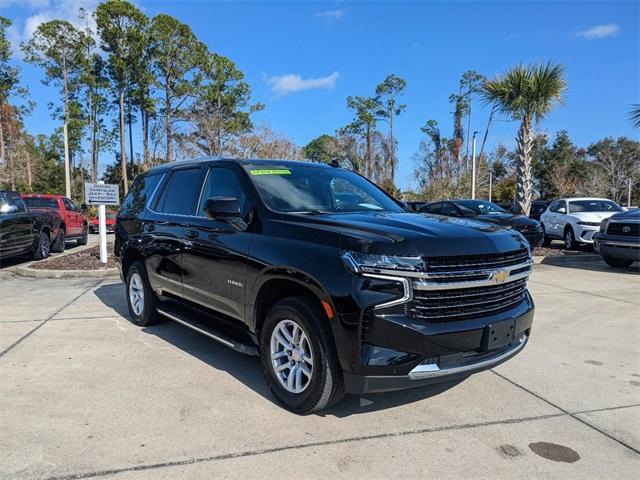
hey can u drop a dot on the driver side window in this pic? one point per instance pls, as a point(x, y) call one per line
point(222, 182)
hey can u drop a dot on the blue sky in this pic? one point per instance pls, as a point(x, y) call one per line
point(303, 59)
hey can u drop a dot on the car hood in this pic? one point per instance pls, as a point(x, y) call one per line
point(592, 216)
point(409, 234)
point(628, 215)
point(507, 219)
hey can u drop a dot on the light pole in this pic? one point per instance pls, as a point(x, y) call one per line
point(473, 167)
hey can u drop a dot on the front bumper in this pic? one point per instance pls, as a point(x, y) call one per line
point(401, 352)
point(617, 247)
point(585, 233)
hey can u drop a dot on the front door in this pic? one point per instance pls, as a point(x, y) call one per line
point(214, 262)
point(74, 229)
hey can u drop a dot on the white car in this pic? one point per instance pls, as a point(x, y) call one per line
point(576, 220)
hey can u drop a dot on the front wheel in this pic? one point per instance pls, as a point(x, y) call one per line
point(569, 239)
point(299, 358)
point(140, 297)
point(546, 240)
point(617, 262)
point(43, 247)
point(85, 236)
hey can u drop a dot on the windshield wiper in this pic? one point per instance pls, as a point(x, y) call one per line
point(312, 212)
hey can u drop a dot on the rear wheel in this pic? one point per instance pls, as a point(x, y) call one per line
point(617, 262)
point(43, 248)
point(141, 300)
point(85, 236)
point(299, 358)
point(60, 243)
point(569, 239)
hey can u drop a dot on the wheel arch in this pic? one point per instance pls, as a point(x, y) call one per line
point(130, 255)
point(278, 285)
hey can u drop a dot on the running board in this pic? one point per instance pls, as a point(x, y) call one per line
point(210, 332)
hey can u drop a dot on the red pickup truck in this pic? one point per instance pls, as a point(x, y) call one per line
point(67, 221)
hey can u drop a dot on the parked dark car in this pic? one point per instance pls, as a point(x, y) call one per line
point(537, 207)
point(22, 232)
point(488, 212)
point(618, 240)
point(414, 206)
point(323, 275)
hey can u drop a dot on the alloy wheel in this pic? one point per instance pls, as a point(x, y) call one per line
point(45, 245)
point(136, 293)
point(291, 356)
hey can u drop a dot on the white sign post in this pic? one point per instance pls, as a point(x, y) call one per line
point(102, 194)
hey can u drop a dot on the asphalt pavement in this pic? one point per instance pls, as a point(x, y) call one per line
point(84, 393)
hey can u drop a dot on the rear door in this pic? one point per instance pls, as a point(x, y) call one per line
point(215, 254)
point(73, 230)
point(176, 206)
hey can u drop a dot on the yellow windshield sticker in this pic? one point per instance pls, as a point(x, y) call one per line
point(277, 171)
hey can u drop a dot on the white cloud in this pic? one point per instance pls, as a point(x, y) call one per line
point(286, 84)
point(600, 31)
point(42, 11)
point(331, 14)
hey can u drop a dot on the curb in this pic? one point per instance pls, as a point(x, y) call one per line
point(41, 273)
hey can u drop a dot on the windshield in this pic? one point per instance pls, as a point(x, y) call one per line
point(479, 208)
point(307, 189)
point(111, 216)
point(578, 206)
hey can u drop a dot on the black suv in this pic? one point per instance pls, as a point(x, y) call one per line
point(323, 275)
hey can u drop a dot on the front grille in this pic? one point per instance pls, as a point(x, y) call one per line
point(476, 262)
point(616, 228)
point(465, 303)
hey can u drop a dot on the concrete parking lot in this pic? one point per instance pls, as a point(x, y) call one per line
point(84, 393)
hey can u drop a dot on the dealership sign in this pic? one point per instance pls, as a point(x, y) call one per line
point(101, 194)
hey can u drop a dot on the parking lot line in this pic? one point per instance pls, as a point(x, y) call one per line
point(43, 322)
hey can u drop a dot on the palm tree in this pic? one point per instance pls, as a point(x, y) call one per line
point(634, 115)
point(526, 93)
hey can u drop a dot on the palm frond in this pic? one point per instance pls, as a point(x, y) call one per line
point(634, 115)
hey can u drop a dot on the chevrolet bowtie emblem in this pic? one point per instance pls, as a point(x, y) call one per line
point(499, 276)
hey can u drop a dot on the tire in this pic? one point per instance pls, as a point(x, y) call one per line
point(43, 248)
point(569, 239)
point(324, 386)
point(85, 236)
point(617, 262)
point(137, 283)
point(546, 240)
point(61, 241)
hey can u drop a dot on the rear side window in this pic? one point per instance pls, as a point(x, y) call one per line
point(11, 203)
point(140, 193)
point(180, 195)
point(450, 210)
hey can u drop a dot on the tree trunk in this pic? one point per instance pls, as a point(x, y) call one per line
point(144, 118)
point(486, 131)
point(167, 125)
point(457, 132)
point(29, 173)
point(91, 142)
point(132, 159)
point(466, 149)
point(392, 144)
point(2, 153)
point(369, 166)
point(123, 154)
point(524, 146)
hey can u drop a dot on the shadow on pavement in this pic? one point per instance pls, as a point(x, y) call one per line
point(26, 258)
point(590, 264)
point(248, 370)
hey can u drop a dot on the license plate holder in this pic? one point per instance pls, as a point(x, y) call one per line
point(498, 335)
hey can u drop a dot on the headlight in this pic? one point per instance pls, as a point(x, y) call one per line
point(589, 224)
point(603, 225)
point(364, 262)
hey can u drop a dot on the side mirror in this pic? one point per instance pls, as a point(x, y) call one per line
point(222, 208)
point(84, 208)
point(562, 210)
